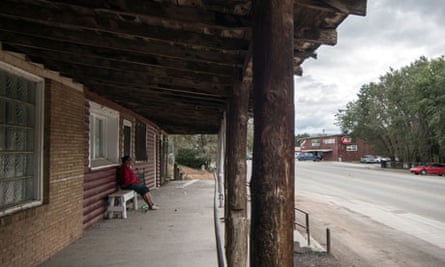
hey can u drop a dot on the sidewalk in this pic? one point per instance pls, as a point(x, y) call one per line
point(180, 233)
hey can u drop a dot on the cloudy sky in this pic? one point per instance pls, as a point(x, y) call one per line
point(394, 33)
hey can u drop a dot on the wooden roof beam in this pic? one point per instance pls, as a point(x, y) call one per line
point(75, 41)
point(317, 36)
point(119, 57)
point(60, 59)
point(138, 79)
point(164, 90)
point(96, 23)
point(354, 7)
point(173, 11)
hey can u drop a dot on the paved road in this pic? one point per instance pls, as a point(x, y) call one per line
point(378, 217)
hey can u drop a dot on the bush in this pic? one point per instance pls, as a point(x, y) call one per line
point(190, 157)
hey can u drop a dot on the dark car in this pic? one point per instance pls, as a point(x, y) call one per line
point(433, 168)
point(308, 156)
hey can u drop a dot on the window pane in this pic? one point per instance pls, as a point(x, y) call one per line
point(10, 113)
point(2, 110)
point(11, 138)
point(19, 165)
point(29, 165)
point(127, 140)
point(21, 90)
point(2, 83)
point(18, 135)
point(141, 147)
point(7, 193)
point(98, 138)
point(2, 138)
point(29, 188)
point(10, 85)
point(30, 116)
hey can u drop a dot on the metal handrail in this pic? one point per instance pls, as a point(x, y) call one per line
point(219, 245)
point(304, 226)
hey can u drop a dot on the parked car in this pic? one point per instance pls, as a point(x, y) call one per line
point(308, 156)
point(382, 159)
point(433, 168)
point(369, 159)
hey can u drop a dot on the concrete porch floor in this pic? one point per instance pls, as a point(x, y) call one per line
point(180, 233)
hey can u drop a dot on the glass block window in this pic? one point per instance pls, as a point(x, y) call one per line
point(21, 123)
point(104, 136)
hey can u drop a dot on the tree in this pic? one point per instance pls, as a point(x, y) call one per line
point(196, 148)
point(402, 115)
point(298, 137)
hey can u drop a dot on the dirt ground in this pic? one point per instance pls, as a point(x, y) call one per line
point(315, 259)
point(302, 258)
point(189, 173)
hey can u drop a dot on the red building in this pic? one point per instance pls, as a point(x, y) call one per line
point(335, 147)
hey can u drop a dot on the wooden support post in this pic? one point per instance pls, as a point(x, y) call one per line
point(236, 199)
point(273, 158)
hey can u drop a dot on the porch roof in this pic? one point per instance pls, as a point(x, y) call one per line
point(174, 62)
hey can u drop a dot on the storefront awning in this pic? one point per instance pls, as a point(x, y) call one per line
point(317, 150)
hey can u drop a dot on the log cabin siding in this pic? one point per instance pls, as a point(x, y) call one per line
point(97, 186)
point(99, 183)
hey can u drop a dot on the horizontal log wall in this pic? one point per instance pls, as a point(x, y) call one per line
point(98, 184)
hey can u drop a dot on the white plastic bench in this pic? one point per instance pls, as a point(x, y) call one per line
point(117, 202)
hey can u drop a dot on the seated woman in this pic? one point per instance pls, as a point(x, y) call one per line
point(129, 180)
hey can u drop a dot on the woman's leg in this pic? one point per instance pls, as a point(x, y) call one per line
point(149, 201)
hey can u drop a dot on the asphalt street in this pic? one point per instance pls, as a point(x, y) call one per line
point(381, 216)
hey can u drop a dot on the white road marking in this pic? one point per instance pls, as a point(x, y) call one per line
point(187, 184)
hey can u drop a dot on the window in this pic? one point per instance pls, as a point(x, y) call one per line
point(351, 148)
point(104, 134)
point(141, 137)
point(21, 142)
point(127, 138)
point(315, 142)
point(329, 141)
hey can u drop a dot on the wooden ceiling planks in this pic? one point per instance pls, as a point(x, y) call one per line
point(173, 61)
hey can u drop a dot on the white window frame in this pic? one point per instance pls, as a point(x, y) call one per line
point(315, 142)
point(329, 141)
point(351, 148)
point(38, 139)
point(110, 139)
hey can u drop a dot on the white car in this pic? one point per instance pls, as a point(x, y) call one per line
point(368, 159)
point(382, 159)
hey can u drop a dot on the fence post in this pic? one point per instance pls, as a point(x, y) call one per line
point(328, 241)
point(308, 231)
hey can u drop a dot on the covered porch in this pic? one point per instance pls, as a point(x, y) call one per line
point(190, 67)
point(181, 233)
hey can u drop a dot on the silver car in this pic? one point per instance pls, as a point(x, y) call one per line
point(369, 159)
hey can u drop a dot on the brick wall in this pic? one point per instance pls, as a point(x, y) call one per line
point(31, 236)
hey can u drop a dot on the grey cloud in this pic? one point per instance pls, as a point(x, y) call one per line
point(393, 34)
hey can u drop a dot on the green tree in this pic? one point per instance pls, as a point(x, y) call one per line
point(298, 137)
point(199, 149)
point(402, 115)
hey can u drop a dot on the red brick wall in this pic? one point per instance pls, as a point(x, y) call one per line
point(29, 237)
point(338, 148)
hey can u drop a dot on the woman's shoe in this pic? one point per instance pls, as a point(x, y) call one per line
point(154, 207)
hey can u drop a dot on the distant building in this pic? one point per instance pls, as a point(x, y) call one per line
point(335, 147)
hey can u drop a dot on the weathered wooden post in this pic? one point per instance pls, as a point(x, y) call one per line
point(273, 159)
point(236, 199)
